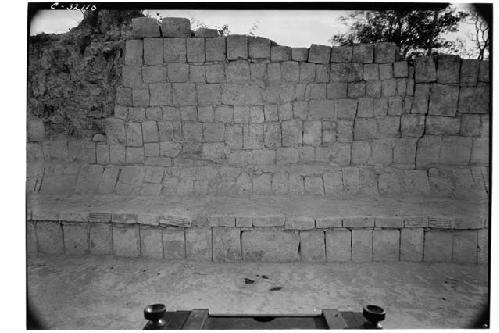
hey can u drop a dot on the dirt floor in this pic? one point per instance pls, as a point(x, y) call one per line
point(94, 292)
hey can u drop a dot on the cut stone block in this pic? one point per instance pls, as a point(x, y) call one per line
point(362, 245)
point(153, 51)
point(237, 47)
point(312, 246)
point(173, 243)
point(133, 52)
point(50, 237)
point(101, 238)
point(151, 242)
point(300, 53)
point(319, 54)
point(145, 27)
point(199, 244)
point(31, 242)
point(448, 69)
point(386, 245)
point(389, 222)
point(206, 32)
point(443, 100)
point(76, 238)
point(226, 244)
point(215, 49)
point(469, 72)
point(362, 53)
point(281, 53)
point(412, 244)
point(126, 240)
point(36, 130)
point(270, 246)
point(483, 246)
point(438, 246)
point(299, 222)
point(341, 54)
point(385, 52)
point(175, 27)
point(425, 70)
point(465, 247)
point(195, 49)
point(338, 245)
point(174, 50)
point(259, 48)
point(328, 222)
point(358, 222)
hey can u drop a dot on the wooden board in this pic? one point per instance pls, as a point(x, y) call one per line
point(196, 320)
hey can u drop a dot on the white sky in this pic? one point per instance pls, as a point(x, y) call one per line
point(295, 28)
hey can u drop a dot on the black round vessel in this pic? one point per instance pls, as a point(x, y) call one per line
point(155, 314)
point(374, 314)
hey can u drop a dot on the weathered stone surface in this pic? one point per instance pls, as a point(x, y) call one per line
point(442, 125)
point(312, 246)
point(469, 72)
point(362, 245)
point(151, 242)
point(259, 48)
point(133, 52)
point(385, 52)
point(455, 150)
point(215, 49)
point(443, 100)
point(465, 246)
point(474, 100)
point(425, 70)
point(321, 109)
point(36, 130)
point(126, 240)
point(226, 244)
point(199, 244)
point(428, 151)
point(153, 51)
point(448, 69)
point(412, 125)
point(338, 245)
point(281, 53)
point(401, 69)
point(145, 27)
point(346, 72)
point(237, 47)
point(101, 238)
point(362, 53)
point(175, 27)
point(412, 244)
point(438, 246)
point(174, 50)
point(195, 49)
point(319, 54)
point(300, 53)
point(273, 246)
point(291, 133)
point(386, 245)
point(341, 54)
point(299, 222)
point(206, 33)
point(483, 246)
point(76, 238)
point(173, 243)
point(50, 237)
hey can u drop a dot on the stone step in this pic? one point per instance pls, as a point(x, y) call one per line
point(261, 228)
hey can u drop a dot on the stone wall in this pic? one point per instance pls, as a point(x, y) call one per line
point(196, 114)
point(241, 114)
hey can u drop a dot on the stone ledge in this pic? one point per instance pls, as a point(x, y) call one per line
point(260, 228)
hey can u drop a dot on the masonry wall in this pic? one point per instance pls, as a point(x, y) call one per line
point(198, 114)
point(243, 115)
